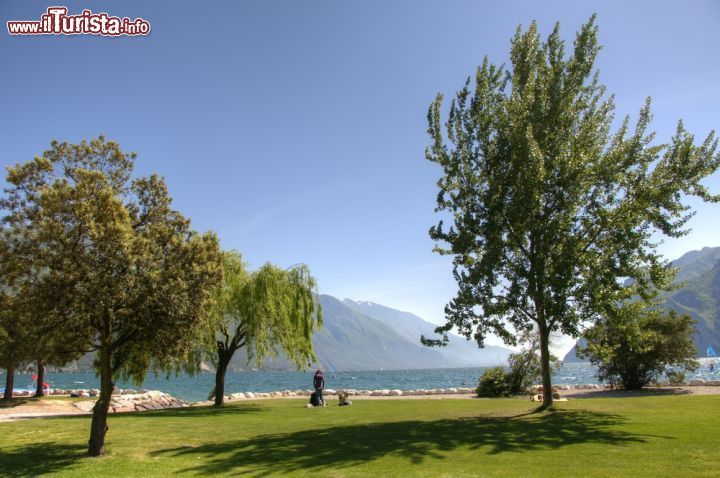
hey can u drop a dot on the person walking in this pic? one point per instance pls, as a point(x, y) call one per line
point(319, 384)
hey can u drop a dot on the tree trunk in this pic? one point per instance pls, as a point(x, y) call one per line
point(98, 428)
point(40, 389)
point(223, 361)
point(9, 382)
point(545, 364)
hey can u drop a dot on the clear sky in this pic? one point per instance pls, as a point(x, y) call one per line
point(297, 130)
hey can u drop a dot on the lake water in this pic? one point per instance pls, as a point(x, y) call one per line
point(198, 387)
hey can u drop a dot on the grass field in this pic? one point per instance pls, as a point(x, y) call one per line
point(645, 436)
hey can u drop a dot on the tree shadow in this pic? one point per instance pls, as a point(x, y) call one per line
point(346, 446)
point(15, 402)
point(194, 412)
point(621, 393)
point(40, 458)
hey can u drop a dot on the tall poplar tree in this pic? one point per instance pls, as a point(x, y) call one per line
point(264, 311)
point(113, 260)
point(548, 209)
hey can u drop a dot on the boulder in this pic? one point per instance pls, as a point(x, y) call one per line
point(85, 406)
point(395, 393)
point(238, 395)
point(698, 382)
point(249, 395)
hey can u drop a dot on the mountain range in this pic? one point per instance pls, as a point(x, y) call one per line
point(368, 336)
point(698, 275)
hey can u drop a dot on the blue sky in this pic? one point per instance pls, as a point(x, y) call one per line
point(296, 130)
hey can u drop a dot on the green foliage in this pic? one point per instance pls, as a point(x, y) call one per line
point(548, 209)
point(108, 259)
point(636, 344)
point(265, 311)
point(493, 383)
point(523, 370)
point(675, 377)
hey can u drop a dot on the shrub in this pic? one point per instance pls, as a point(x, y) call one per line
point(675, 377)
point(635, 344)
point(493, 383)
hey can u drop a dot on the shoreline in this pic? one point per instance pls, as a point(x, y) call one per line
point(59, 406)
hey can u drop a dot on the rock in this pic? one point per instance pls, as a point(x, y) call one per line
point(698, 382)
point(376, 393)
point(395, 393)
point(249, 395)
point(85, 406)
point(329, 391)
point(712, 383)
point(238, 395)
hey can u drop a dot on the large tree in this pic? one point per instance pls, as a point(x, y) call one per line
point(265, 311)
point(114, 261)
point(548, 209)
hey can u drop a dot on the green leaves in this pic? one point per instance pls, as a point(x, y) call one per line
point(104, 258)
point(548, 210)
point(635, 344)
point(267, 310)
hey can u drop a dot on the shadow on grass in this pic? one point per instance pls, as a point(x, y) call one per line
point(620, 393)
point(39, 458)
point(346, 446)
point(193, 412)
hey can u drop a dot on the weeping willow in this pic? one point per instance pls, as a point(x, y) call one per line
point(266, 311)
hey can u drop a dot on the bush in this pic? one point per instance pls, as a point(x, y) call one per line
point(493, 383)
point(675, 377)
point(523, 370)
point(635, 344)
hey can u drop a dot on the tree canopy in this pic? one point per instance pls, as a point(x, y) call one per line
point(548, 208)
point(107, 256)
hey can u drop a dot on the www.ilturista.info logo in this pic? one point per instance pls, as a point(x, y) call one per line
point(56, 21)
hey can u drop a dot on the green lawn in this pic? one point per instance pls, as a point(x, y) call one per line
point(647, 436)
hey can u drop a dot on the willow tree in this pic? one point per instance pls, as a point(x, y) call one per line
point(114, 261)
point(548, 208)
point(266, 311)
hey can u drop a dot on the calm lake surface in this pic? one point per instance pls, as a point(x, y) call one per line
point(198, 387)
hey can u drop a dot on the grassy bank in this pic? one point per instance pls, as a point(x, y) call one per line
point(645, 436)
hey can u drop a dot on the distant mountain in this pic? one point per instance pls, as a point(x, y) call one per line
point(698, 273)
point(365, 336)
point(459, 352)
